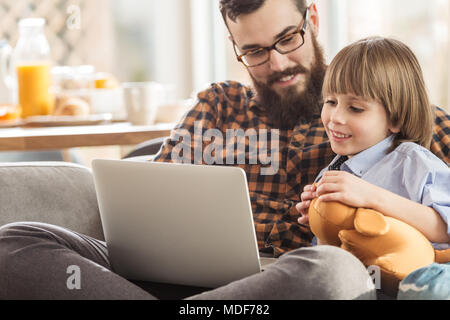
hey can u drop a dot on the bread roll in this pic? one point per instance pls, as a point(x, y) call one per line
point(72, 107)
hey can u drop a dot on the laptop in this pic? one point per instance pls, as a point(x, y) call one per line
point(177, 223)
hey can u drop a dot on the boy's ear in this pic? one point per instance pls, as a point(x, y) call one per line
point(394, 129)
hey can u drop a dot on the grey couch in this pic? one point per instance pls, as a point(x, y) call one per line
point(58, 193)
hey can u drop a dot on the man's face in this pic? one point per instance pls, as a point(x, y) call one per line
point(284, 80)
point(265, 26)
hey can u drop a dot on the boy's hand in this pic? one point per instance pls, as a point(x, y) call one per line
point(309, 193)
point(346, 188)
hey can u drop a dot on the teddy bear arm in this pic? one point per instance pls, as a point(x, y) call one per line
point(442, 256)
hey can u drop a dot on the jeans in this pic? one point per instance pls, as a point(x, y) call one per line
point(428, 283)
point(37, 261)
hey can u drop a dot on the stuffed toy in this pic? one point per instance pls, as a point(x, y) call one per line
point(394, 246)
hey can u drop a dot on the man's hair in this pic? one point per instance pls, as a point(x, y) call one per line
point(234, 8)
point(387, 71)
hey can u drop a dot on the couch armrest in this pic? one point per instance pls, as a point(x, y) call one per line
point(58, 193)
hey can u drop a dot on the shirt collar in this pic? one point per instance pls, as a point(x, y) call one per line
point(363, 161)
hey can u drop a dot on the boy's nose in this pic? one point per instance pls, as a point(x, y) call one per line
point(338, 116)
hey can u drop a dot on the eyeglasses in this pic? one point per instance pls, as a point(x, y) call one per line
point(285, 45)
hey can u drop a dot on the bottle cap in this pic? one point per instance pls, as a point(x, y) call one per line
point(32, 22)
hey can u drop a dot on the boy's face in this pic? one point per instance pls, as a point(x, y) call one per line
point(354, 124)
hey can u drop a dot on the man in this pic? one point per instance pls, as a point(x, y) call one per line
point(280, 51)
point(276, 40)
point(286, 98)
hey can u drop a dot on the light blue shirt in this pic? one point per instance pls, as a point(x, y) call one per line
point(410, 171)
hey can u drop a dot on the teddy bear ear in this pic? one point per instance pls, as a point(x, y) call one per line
point(370, 223)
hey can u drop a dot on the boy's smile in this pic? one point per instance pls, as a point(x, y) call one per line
point(339, 136)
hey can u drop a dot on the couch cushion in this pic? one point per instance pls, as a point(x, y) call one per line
point(58, 193)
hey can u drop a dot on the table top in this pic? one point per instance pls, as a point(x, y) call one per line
point(52, 138)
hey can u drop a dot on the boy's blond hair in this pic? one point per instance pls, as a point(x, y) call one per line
point(387, 71)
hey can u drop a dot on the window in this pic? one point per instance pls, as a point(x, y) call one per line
point(424, 26)
point(185, 42)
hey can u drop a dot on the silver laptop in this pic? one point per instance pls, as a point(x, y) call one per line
point(176, 223)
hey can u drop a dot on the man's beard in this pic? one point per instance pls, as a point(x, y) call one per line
point(292, 107)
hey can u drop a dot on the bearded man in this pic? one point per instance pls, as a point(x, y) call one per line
point(276, 41)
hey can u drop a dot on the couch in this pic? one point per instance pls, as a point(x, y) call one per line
point(57, 193)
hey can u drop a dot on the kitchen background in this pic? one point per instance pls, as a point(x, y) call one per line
point(183, 43)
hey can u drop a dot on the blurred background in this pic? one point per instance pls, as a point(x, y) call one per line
point(183, 43)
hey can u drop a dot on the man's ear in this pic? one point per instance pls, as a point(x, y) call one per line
point(314, 19)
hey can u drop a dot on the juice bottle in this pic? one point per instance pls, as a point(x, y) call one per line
point(33, 62)
point(35, 97)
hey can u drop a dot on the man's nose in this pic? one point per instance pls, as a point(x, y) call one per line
point(278, 61)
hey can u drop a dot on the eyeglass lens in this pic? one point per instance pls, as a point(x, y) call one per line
point(283, 46)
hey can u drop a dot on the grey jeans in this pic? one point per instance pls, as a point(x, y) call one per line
point(36, 261)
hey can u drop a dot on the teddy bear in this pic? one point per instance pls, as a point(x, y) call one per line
point(377, 240)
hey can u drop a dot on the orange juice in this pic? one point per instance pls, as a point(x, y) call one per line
point(35, 97)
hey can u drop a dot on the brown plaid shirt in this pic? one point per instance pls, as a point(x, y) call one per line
point(303, 153)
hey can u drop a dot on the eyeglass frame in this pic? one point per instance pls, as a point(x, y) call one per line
point(300, 30)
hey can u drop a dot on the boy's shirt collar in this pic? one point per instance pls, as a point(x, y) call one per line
point(365, 160)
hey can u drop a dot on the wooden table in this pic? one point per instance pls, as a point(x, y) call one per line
point(52, 138)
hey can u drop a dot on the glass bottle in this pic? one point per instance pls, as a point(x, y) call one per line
point(32, 61)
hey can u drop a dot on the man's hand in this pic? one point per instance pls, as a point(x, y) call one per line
point(346, 188)
point(309, 193)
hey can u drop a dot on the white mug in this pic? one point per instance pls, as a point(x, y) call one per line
point(142, 100)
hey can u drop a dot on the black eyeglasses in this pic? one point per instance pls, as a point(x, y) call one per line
point(285, 45)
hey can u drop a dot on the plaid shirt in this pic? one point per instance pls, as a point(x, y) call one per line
point(303, 152)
